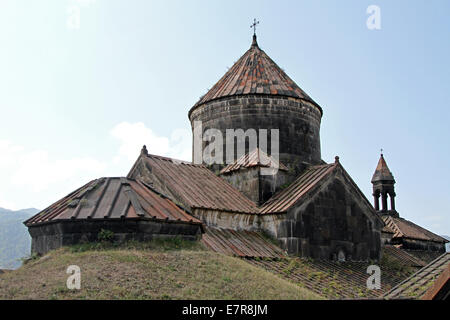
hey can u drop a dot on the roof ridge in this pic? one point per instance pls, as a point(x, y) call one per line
point(426, 234)
point(176, 161)
point(246, 161)
point(303, 184)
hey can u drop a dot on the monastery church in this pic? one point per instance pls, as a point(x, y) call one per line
point(306, 208)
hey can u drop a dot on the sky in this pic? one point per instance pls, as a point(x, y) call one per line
point(85, 83)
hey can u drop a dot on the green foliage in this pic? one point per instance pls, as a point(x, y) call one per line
point(105, 235)
point(395, 265)
point(29, 258)
point(169, 244)
point(269, 238)
point(284, 186)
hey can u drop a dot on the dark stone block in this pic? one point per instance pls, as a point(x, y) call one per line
point(326, 229)
point(64, 233)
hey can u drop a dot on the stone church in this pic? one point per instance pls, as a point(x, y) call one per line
point(309, 207)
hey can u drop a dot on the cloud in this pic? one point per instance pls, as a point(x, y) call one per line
point(132, 136)
point(8, 153)
point(84, 3)
point(36, 177)
point(6, 204)
point(36, 170)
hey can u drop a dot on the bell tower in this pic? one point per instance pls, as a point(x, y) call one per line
point(383, 187)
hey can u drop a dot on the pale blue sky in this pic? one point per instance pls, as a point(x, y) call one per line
point(71, 100)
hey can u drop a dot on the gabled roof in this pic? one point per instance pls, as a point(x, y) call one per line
point(113, 198)
point(255, 73)
point(195, 185)
point(255, 158)
point(307, 182)
point(416, 286)
point(286, 198)
point(382, 172)
point(406, 229)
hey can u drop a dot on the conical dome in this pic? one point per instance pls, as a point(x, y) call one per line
point(253, 97)
point(382, 172)
point(255, 73)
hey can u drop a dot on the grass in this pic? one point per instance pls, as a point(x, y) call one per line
point(160, 269)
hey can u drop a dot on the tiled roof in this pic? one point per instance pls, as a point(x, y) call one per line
point(403, 257)
point(440, 290)
point(417, 284)
point(337, 280)
point(387, 229)
point(113, 198)
point(254, 73)
point(197, 186)
point(406, 229)
point(244, 244)
point(283, 200)
point(424, 255)
point(382, 172)
point(255, 158)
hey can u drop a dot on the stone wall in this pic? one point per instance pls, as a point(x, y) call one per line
point(256, 186)
point(333, 221)
point(54, 235)
point(297, 120)
point(246, 180)
point(386, 238)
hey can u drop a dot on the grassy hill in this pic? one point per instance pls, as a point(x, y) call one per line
point(155, 270)
point(15, 242)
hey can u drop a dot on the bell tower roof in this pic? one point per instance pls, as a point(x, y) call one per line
point(382, 172)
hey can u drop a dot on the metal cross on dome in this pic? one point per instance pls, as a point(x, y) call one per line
point(254, 24)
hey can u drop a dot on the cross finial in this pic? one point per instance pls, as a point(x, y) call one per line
point(381, 150)
point(254, 24)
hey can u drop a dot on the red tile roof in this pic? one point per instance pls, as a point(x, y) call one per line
point(196, 186)
point(406, 229)
point(286, 198)
point(244, 244)
point(440, 288)
point(113, 198)
point(416, 286)
point(255, 73)
point(255, 158)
